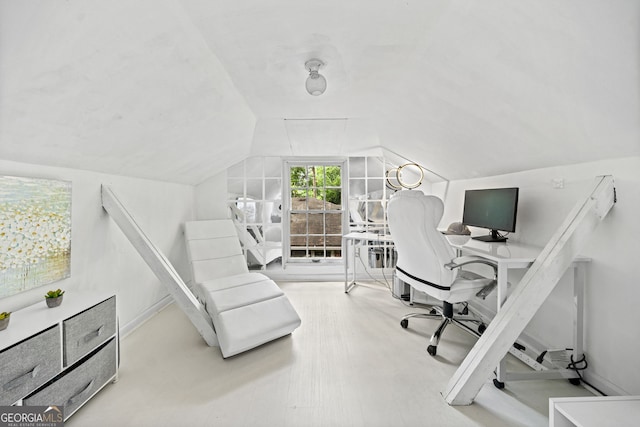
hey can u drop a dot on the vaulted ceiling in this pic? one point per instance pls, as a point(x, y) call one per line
point(178, 90)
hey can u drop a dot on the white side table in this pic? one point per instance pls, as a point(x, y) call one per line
point(596, 411)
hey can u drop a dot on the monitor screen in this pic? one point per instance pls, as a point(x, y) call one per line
point(493, 208)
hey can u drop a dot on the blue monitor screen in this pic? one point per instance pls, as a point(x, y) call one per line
point(494, 208)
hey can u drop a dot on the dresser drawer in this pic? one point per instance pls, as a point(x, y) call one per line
point(80, 383)
point(87, 330)
point(29, 364)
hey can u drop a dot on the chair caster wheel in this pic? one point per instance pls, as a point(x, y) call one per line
point(499, 384)
point(574, 381)
point(481, 328)
point(404, 323)
point(432, 349)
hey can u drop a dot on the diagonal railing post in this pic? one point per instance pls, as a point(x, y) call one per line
point(160, 266)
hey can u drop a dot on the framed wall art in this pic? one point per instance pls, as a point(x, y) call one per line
point(35, 233)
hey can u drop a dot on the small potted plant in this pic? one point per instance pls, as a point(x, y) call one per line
point(54, 298)
point(4, 320)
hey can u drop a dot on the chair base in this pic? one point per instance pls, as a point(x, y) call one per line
point(446, 314)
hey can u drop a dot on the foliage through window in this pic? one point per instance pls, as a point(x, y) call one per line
point(316, 217)
point(319, 182)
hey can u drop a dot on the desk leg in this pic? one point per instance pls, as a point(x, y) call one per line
point(353, 263)
point(579, 280)
point(502, 279)
point(345, 247)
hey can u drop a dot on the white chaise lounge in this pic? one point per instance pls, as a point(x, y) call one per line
point(247, 309)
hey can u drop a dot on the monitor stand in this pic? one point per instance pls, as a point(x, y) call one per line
point(493, 237)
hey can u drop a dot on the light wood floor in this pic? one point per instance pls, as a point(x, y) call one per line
point(349, 364)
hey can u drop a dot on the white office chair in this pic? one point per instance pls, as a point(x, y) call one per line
point(427, 262)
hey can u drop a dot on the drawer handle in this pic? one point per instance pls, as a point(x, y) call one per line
point(80, 395)
point(18, 381)
point(94, 334)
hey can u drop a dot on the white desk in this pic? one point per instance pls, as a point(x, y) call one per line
point(513, 255)
point(371, 240)
point(507, 255)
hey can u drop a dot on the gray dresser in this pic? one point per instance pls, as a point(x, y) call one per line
point(59, 356)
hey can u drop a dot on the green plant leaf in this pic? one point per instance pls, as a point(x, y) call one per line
point(54, 294)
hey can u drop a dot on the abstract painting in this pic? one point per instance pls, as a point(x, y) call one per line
point(35, 233)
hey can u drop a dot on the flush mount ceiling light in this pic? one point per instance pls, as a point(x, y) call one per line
point(316, 83)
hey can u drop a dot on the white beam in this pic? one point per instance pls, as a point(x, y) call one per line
point(160, 266)
point(530, 293)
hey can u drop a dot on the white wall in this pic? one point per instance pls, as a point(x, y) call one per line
point(612, 318)
point(211, 198)
point(101, 257)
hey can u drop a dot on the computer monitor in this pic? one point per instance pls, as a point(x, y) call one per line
point(493, 208)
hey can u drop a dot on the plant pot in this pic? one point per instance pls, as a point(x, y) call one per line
point(4, 323)
point(54, 302)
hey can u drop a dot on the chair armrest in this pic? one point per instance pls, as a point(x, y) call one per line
point(464, 260)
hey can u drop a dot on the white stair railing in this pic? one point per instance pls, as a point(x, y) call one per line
point(160, 266)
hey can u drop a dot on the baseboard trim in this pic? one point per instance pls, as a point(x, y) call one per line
point(145, 316)
point(604, 385)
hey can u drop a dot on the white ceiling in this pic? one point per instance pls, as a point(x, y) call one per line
point(179, 90)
